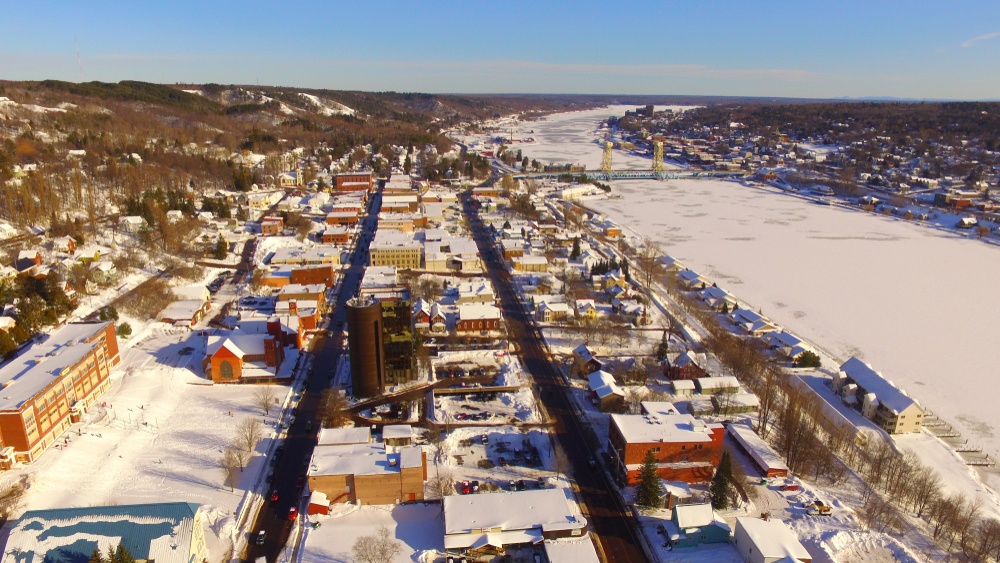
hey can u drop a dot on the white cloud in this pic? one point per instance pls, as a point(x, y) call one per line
point(984, 37)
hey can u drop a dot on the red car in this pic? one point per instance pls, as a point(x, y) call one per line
point(274, 495)
point(292, 513)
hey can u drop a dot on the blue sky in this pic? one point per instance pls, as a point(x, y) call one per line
point(916, 49)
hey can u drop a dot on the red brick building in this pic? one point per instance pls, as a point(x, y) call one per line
point(353, 181)
point(475, 317)
point(49, 385)
point(685, 448)
point(240, 357)
point(336, 234)
point(685, 366)
point(342, 218)
point(307, 275)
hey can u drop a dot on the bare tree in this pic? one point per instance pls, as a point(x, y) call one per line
point(380, 547)
point(10, 498)
point(336, 410)
point(634, 397)
point(442, 485)
point(264, 397)
point(648, 260)
point(229, 463)
point(248, 434)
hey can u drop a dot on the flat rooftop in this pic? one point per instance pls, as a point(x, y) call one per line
point(544, 508)
point(31, 371)
point(672, 428)
point(362, 459)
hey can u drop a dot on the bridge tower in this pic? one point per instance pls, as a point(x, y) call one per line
point(658, 156)
point(606, 159)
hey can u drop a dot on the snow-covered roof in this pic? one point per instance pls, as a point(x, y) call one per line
point(658, 408)
point(603, 384)
point(531, 259)
point(336, 436)
point(674, 428)
point(38, 365)
point(477, 311)
point(509, 511)
point(719, 382)
point(160, 532)
point(872, 381)
point(571, 550)
point(694, 515)
point(763, 455)
point(181, 310)
point(397, 431)
point(362, 459)
point(238, 342)
point(774, 539)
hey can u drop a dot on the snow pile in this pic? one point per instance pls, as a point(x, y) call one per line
point(861, 547)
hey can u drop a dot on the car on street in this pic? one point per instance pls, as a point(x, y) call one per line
point(465, 488)
point(274, 495)
point(292, 513)
point(261, 537)
point(503, 462)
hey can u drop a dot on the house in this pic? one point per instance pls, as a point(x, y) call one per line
point(734, 403)
point(28, 261)
point(168, 532)
point(132, 223)
point(475, 292)
point(586, 309)
point(877, 398)
point(64, 244)
point(764, 458)
point(477, 317)
point(693, 524)
point(438, 319)
point(787, 344)
point(605, 392)
point(421, 314)
point(174, 215)
point(751, 322)
point(239, 357)
point(717, 298)
point(584, 362)
point(7, 323)
point(103, 272)
point(689, 279)
point(7, 273)
point(548, 311)
point(671, 264)
point(685, 448)
point(49, 385)
point(686, 366)
point(272, 226)
point(489, 524)
point(721, 384)
point(184, 313)
point(368, 473)
point(609, 280)
point(767, 541)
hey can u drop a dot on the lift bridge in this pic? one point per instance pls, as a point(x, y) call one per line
point(657, 172)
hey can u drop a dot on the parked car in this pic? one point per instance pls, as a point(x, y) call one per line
point(309, 426)
point(274, 495)
point(475, 486)
point(503, 462)
point(465, 488)
point(261, 537)
point(292, 513)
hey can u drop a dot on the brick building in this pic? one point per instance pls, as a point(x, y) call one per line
point(477, 317)
point(685, 448)
point(368, 474)
point(342, 218)
point(309, 275)
point(240, 357)
point(50, 384)
point(336, 234)
point(353, 181)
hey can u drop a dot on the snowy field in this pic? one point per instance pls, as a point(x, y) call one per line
point(158, 439)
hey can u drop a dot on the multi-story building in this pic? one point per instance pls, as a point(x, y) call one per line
point(368, 474)
point(684, 447)
point(353, 181)
point(477, 317)
point(49, 385)
point(878, 400)
point(394, 248)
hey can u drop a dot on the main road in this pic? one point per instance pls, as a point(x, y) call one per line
point(290, 467)
point(611, 521)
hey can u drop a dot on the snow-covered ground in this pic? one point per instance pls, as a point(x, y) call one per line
point(156, 435)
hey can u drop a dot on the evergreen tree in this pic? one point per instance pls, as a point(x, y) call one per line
point(721, 487)
point(662, 348)
point(122, 555)
point(575, 253)
point(96, 557)
point(648, 491)
point(221, 250)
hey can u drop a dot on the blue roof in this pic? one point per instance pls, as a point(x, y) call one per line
point(70, 535)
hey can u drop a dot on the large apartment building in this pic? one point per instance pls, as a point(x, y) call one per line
point(49, 385)
point(394, 248)
point(877, 398)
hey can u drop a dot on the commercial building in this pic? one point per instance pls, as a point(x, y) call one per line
point(169, 532)
point(238, 357)
point(368, 474)
point(764, 458)
point(336, 234)
point(395, 248)
point(878, 400)
point(488, 524)
point(50, 384)
point(684, 447)
point(353, 181)
point(474, 317)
